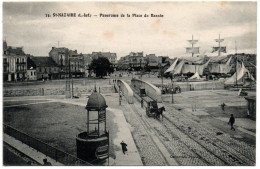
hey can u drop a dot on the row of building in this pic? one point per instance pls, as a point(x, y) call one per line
point(61, 62)
point(137, 61)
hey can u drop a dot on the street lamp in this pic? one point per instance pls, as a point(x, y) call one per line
point(161, 71)
point(119, 93)
point(172, 87)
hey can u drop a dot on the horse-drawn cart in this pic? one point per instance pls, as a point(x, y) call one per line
point(151, 109)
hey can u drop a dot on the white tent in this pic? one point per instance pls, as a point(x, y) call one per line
point(187, 68)
point(170, 69)
point(195, 76)
point(239, 75)
point(220, 67)
point(178, 68)
point(194, 68)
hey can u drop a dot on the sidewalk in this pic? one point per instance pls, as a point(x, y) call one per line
point(28, 151)
point(132, 157)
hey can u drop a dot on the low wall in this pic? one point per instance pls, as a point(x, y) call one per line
point(78, 91)
point(126, 90)
point(192, 86)
point(23, 92)
point(151, 90)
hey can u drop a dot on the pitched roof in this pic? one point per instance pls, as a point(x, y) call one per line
point(44, 62)
point(15, 50)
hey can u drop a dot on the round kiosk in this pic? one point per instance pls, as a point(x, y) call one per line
point(93, 144)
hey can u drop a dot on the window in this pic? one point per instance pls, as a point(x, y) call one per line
point(31, 73)
point(17, 61)
point(5, 68)
point(34, 73)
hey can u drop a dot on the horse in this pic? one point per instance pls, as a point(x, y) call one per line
point(159, 112)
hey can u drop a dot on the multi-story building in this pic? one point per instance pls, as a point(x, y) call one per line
point(133, 61)
point(46, 68)
point(152, 61)
point(76, 62)
point(87, 59)
point(163, 60)
point(14, 63)
point(61, 58)
point(112, 57)
point(123, 63)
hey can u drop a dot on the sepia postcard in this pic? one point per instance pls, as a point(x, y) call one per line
point(129, 83)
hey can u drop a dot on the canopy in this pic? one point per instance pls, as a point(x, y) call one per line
point(194, 68)
point(196, 60)
point(222, 59)
point(239, 75)
point(195, 76)
point(220, 68)
point(170, 69)
point(178, 68)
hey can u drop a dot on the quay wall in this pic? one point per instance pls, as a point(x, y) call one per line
point(192, 86)
point(151, 90)
point(77, 91)
point(126, 90)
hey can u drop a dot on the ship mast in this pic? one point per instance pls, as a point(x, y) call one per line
point(219, 48)
point(193, 50)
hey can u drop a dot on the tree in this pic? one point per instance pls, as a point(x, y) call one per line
point(101, 66)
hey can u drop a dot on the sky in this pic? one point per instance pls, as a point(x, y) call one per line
point(25, 24)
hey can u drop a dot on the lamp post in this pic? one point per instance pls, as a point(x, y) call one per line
point(172, 87)
point(119, 93)
point(161, 77)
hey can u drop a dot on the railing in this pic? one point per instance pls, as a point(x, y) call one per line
point(54, 153)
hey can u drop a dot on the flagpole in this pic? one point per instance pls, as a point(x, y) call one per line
point(236, 70)
point(218, 44)
point(192, 47)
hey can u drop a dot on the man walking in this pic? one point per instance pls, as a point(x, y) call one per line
point(124, 149)
point(232, 121)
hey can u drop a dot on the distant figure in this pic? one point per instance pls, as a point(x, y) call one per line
point(124, 149)
point(232, 121)
point(223, 107)
point(45, 162)
point(142, 103)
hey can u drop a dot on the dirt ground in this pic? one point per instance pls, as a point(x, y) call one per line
point(204, 106)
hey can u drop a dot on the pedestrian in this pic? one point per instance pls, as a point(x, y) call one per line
point(45, 162)
point(123, 144)
point(232, 121)
point(223, 107)
point(142, 103)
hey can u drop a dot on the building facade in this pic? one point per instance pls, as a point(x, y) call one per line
point(46, 68)
point(133, 61)
point(112, 57)
point(76, 62)
point(31, 70)
point(14, 63)
point(61, 58)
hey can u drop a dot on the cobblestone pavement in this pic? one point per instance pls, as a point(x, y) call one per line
point(225, 148)
point(192, 143)
point(148, 150)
